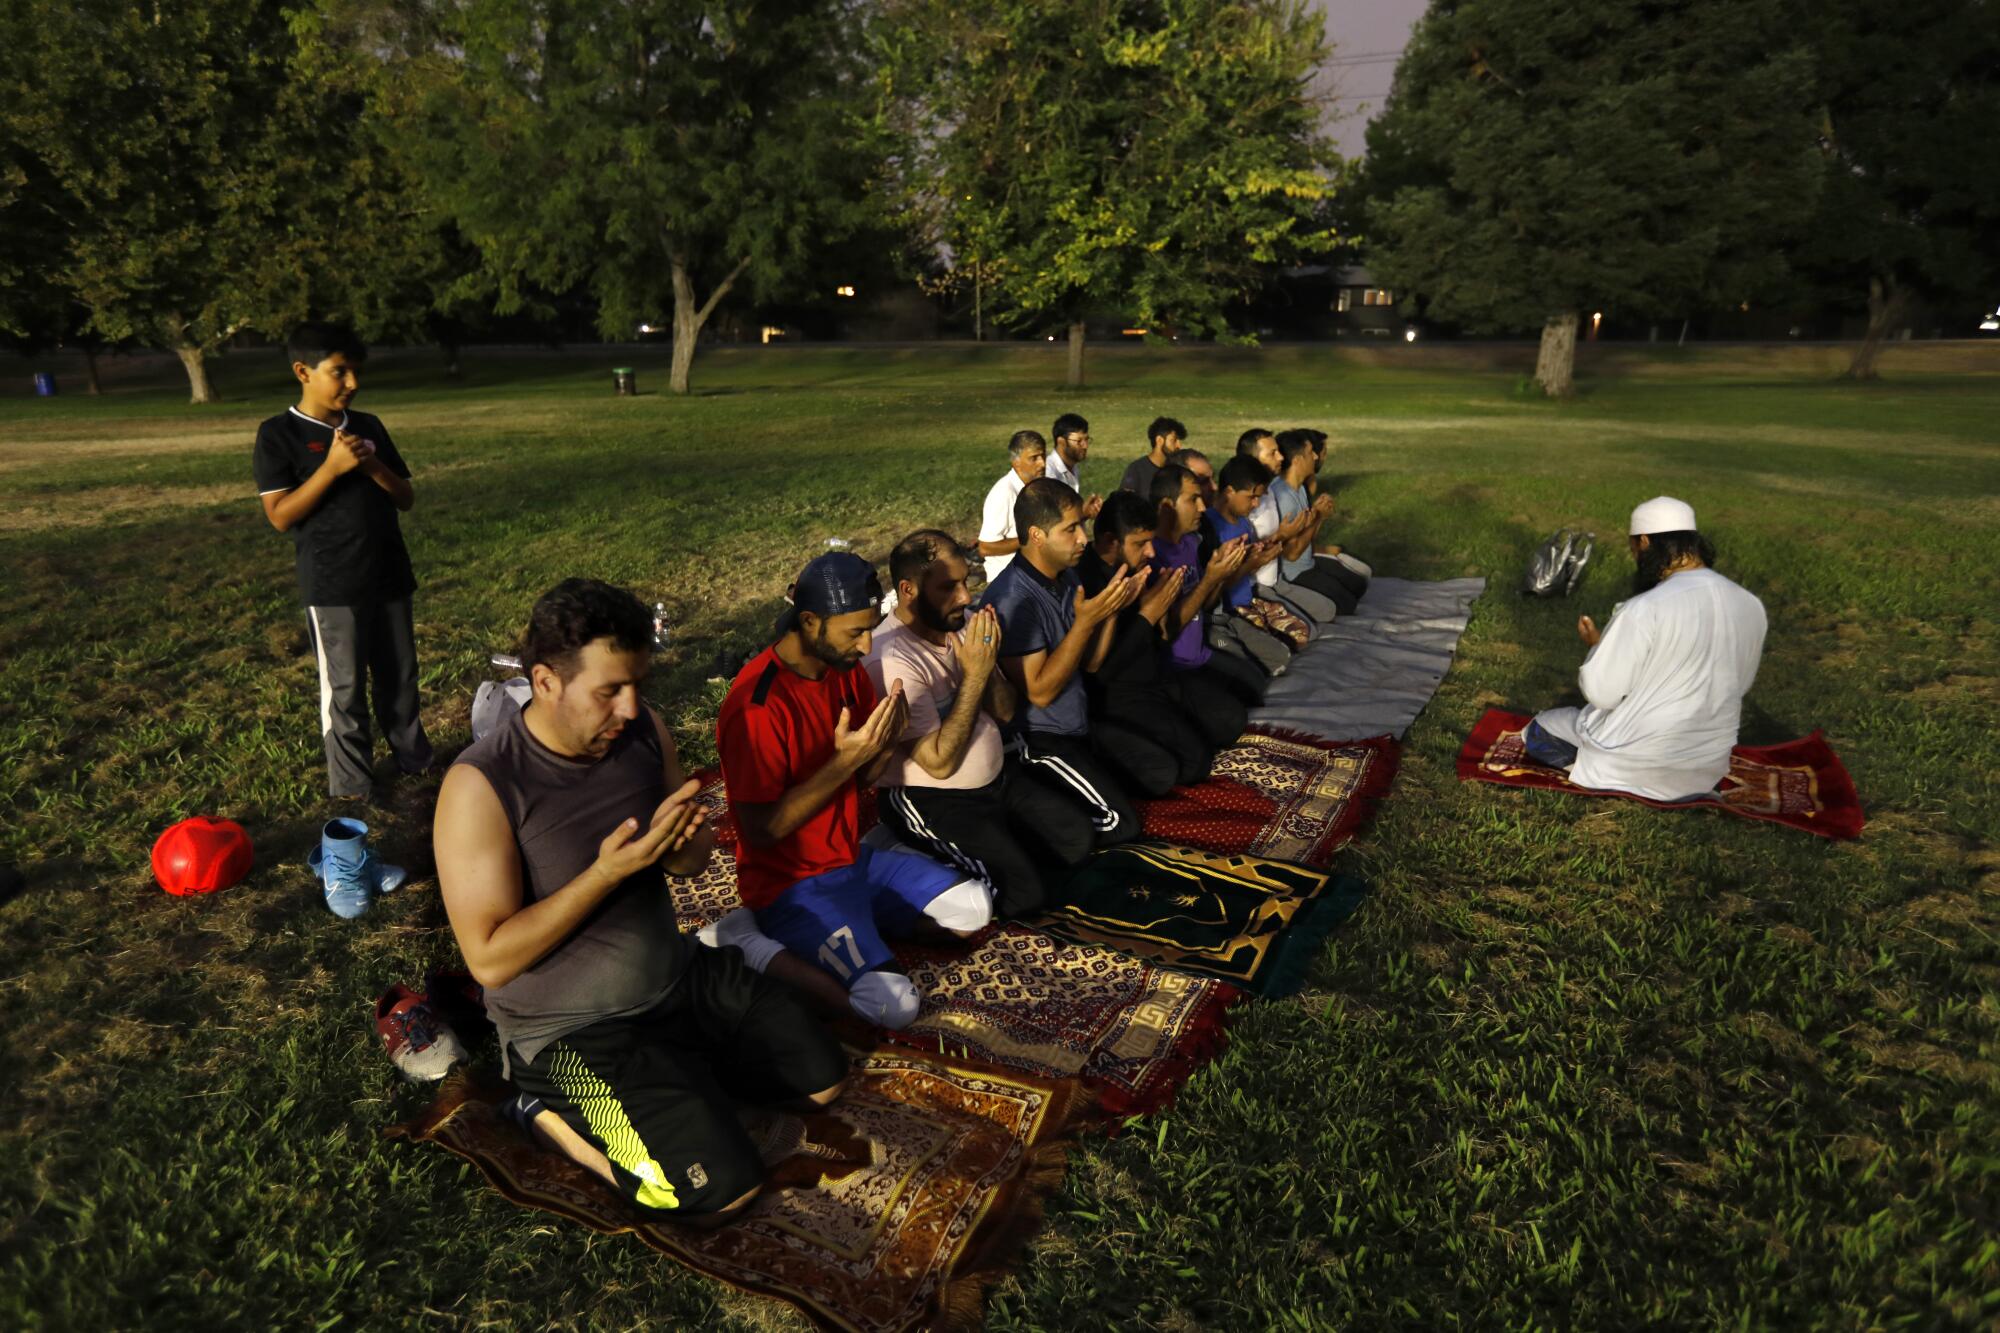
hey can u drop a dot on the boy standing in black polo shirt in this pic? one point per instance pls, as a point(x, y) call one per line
point(333, 479)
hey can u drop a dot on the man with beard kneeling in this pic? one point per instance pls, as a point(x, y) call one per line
point(1136, 686)
point(951, 789)
point(1665, 679)
point(800, 732)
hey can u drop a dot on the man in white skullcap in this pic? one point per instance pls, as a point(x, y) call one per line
point(1665, 679)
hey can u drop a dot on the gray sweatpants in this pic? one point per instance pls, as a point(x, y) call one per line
point(352, 645)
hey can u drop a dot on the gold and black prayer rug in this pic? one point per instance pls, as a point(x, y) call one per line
point(1247, 920)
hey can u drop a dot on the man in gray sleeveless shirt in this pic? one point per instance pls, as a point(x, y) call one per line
point(554, 834)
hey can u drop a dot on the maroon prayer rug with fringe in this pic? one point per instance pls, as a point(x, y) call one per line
point(1280, 795)
point(1800, 784)
point(892, 1209)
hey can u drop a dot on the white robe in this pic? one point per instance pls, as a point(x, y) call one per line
point(1666, 686)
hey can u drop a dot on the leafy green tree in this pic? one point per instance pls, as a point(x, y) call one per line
point(1910, 205)
point(192, 169)
point(399, 269)
point(1091, 155)
point(655, 152)
point(1535, 161)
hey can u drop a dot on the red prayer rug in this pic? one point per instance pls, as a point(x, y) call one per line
point(1800, 784)
point(892, 1209)
point(1279, 795)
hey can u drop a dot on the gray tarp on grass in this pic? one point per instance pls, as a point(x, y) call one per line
point(1374, 671)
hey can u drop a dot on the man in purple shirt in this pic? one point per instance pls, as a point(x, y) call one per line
point(1177, 545)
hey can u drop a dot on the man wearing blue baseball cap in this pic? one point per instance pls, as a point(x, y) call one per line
point(800, 732)
point(1664, 681)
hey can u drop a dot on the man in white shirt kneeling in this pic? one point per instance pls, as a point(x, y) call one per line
point(1666, 677)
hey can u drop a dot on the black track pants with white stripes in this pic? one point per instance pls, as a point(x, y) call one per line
point(1069, 767)
point(1002, 833)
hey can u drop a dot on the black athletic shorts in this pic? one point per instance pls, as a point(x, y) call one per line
point(657, 1092)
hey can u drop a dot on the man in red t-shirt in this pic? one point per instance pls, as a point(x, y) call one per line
point(801, 729)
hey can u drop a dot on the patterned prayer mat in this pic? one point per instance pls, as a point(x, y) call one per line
point(1253, 922)
point(890, 1210)
point(1021, 1000)
point(1279, 794)
point(1017, 999)
point(1800, 784)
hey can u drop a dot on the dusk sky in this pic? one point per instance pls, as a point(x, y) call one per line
point(1365, 35)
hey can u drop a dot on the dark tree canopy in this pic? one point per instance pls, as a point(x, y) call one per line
point(1536, 161)
point(645, 150)
point(1910, 205)
point(196, 173)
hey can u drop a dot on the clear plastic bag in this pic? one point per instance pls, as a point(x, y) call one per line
point(1556, 568)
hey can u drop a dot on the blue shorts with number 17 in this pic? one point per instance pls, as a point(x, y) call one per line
point(837, 919)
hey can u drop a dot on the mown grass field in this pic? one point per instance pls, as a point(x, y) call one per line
point(1575, 1065)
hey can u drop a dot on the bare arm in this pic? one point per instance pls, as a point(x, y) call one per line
point(286, 509)
point(1100, 647)
point(691, 859)
point(1009, 546)
point(940, 753)
point(1207, 589)
point(347, 453)
point(1001, 697)
point(479, 875)
point(1042, 676)
point(855, 752)
point(1300, 539)
point(401, 494)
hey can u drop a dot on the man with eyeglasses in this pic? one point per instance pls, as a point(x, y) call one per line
point(1071, 445)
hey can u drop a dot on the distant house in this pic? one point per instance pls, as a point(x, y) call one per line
point(1362, 308)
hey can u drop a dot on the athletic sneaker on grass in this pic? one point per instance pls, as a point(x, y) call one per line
point(419, 1042)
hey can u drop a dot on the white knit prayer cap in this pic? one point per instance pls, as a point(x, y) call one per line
point(1663, 513)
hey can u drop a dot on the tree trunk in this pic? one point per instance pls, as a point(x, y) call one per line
point(1076, 354)
point(688, 318)
point(1886, 302)
point(1555, 365)
point(195, 362)
point(90, 372)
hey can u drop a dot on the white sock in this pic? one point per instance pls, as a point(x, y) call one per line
point(739, 928)
point(965, 906)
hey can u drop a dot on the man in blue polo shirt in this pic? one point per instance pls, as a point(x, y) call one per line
point(1052, 633)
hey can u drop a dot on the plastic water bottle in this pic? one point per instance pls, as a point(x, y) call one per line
point(659, 627)
point(838, 544)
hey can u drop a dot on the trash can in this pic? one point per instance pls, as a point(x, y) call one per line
point(45, 384)
point(627, 383)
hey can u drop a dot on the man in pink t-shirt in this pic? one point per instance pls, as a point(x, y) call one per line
point(950, 788)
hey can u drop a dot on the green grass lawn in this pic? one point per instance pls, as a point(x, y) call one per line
point(1577, 1064)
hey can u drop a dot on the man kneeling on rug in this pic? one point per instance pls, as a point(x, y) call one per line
point(952, 789)
point(1665, 679)
point(630, 1042)
point(801, 731)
